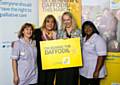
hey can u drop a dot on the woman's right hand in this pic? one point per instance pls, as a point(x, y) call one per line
point(16, 80)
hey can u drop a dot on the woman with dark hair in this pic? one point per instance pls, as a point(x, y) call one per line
point(24, 54)
point(89, 23)
point(94, 53)
point(46, 32)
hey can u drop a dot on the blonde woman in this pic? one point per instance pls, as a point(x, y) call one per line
point(69, 29)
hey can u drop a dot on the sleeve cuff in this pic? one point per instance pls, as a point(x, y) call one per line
point(101, 53)
point(14, 57)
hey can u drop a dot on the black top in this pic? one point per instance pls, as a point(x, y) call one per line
point(37, 36)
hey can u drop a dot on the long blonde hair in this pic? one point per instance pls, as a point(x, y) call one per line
point(74, 24)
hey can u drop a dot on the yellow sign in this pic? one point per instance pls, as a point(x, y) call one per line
point(61, 53)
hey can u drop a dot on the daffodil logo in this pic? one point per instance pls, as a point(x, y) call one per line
point(66, 60)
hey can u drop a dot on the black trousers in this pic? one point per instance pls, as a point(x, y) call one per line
point(67, 76)
point(46, 77)
point(32, 84)
point(86, 81)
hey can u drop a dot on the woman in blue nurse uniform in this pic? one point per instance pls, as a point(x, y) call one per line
point(24, 57)
point(94, 53)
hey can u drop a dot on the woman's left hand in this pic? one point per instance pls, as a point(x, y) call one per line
point(96, 74)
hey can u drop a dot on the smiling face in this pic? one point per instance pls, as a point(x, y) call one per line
point(49, 24)
point(88, 30)
point(67, 21)
point(27, 32)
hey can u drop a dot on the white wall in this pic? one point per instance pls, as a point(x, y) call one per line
point(13, 14)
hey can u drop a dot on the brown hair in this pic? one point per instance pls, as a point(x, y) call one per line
point(45, 20)
point(20, 35)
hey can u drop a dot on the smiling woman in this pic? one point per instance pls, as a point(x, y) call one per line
point(94, 52)
point(69, 29)
point(24, 56)
point(47, 31)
